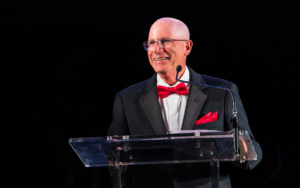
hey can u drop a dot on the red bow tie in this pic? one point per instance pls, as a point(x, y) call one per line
point(165, 91)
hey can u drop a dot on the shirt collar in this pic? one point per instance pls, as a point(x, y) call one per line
point(185, 77)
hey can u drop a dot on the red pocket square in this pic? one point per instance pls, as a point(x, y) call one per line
point(207, 118)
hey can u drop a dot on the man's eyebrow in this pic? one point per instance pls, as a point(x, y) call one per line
point(159, 39)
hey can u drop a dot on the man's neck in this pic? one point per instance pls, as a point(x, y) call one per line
point(171, 77)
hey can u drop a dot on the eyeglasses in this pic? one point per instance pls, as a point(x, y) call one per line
point(148, 45)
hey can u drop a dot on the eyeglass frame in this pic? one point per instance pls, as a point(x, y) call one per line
point(160, 44)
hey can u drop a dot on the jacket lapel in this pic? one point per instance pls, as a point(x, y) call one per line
point(195, 101)
point(151, 106)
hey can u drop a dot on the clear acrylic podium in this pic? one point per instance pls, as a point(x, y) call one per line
point(180, 147)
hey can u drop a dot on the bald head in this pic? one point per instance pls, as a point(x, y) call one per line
point(176, 28)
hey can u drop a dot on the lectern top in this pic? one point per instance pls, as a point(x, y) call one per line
point(186, 134)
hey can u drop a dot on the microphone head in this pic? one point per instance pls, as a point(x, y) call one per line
point(179, 67)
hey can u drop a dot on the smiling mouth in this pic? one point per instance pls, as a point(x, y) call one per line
point(161, 59)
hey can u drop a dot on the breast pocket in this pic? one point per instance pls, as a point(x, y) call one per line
point(214, 125)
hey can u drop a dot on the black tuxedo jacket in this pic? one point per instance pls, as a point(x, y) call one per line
point(137, 112)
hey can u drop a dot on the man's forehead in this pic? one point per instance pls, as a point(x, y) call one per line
point(158, 32)
point(160, 35)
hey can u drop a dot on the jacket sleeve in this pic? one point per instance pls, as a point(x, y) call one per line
point(119, 124)
point(243, 125)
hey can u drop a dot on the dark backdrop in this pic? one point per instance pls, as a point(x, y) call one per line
point(63, 62)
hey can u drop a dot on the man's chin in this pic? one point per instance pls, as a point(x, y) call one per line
point(163, 69)
point(160, 71)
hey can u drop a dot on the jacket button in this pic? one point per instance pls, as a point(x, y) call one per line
point(197, 99)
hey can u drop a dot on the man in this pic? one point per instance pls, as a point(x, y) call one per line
point(145, 108)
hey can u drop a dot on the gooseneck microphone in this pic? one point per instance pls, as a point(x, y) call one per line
point(234, 120)
point(178, 69)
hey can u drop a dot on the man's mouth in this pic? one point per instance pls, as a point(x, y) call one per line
point(159, 59)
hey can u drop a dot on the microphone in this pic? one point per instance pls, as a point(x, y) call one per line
point(234, 120)
point(178, 69)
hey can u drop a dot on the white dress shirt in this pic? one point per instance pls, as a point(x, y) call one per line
point(173, 106)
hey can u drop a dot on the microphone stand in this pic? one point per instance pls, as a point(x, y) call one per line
point(234, 120)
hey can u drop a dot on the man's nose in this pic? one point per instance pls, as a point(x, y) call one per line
point(157, 47)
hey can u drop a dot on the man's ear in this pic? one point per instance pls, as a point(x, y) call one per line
point(188, 47)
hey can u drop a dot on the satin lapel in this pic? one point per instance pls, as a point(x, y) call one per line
point(195, 101)
point(193, 108)
point(151, 106)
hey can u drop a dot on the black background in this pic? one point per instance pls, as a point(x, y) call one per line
point(63, 62)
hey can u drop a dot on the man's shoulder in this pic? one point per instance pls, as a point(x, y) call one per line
point(134, 89)
point(210, 80)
